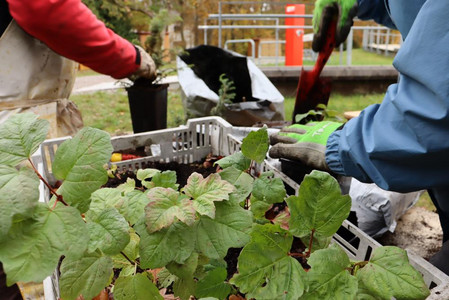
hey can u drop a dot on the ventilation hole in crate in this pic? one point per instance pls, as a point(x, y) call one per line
point(432, 285)
point(346, 248)
point(349, 237)
point(186, 140)
point(177, 142)
point(55, 148)
point(369, 250)
point(47, 157)
point(290, 190)
point(202, 139)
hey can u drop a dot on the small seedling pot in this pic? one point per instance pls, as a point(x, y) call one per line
point(148, 106)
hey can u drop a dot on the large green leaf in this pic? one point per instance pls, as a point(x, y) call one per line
point(79, 162)
point(133, 206)
point(137, 287)
point(389, 274)
point(185, 270)
point(127, 187)
point(165, 278)
point(205, 191)
point(109, 232)
point(19, 194)
point(184, 288)
point(86, 276)
point(33, 247)
point(131, 251)
point(319, 207)
point(236, 160)
point(143, 174)
point(255, 145)
point(166, 179)
point(265, 269)
point(21, 136)
point(175, 243)
point(242, 181)
point(213, 285)
point(104, 198)
point(259, 208)
point(269, 189)
point(166, 206)
point(230, 228)
point(328, 277)
point(364, 294)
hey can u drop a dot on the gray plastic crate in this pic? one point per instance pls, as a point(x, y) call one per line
point(194, 141)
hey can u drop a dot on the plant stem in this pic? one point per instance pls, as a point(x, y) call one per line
point(52, 191)
point(127, 258)
point(357, 266)
point(310, 243)
point(296, 254)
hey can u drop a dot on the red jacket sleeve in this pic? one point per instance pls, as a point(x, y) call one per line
point(70, 29)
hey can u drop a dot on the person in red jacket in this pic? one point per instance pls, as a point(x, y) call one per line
point(41, 42)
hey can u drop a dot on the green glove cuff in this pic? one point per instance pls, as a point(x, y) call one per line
point(314, 132)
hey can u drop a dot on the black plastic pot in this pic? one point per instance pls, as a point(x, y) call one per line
point(148, 106)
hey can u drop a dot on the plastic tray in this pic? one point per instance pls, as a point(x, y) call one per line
point(194, 141)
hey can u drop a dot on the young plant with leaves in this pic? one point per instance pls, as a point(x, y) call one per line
point(138, 240)
point(320, 113)
point(225, 96)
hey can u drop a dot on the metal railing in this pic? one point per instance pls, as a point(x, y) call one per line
point(379, 39)
point(251, 41)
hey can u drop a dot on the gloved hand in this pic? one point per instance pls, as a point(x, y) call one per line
point(325, 11)
point(304, 143)
point(147, 68)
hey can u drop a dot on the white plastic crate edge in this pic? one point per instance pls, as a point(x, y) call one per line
point(184, 144)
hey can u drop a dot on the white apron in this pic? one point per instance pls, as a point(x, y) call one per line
point(34, 78)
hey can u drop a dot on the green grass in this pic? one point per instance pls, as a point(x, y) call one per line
point(340, 103)
point(425, 202)
point(109, 111)
point(360, 57)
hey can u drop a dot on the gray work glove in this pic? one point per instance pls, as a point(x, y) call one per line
point(304, 143)
point(147, 67)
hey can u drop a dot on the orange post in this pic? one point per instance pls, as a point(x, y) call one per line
point(294, 36)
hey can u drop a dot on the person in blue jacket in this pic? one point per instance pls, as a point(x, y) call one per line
point(401, 144)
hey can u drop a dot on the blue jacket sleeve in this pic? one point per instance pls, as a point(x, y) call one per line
point(375, 10)
point(403, 143)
